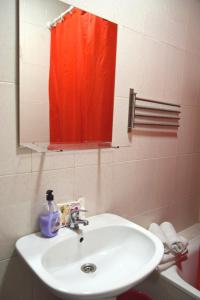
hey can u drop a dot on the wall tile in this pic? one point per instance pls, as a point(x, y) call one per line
point(187, 130)
point(171, 32)
point(134, 187)
point(12, 160)
point(159, 7)
point(178, 10)
point(129, 66)
point(177, 33)
point(15, 222)
point(173, 213)
point(197, 127)
point(52, 161)
point(93, 157)
point(123, 154)
point(7, 41)
point(129, 16)
point(15, 189)
point(94, 183)
point(157, 215)
point(146, 144)
point(120, 136)
point(190, 83)
point(152, 27)
point(174, 75)
point(60, 181)
point(179, 212)
point(187, 175)
point(154, 59)
point(167, 144)
point(166, 181)
point(193, 39)
point(150, 144)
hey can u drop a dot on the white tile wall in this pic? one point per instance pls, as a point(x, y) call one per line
point(190, 84)
point(129, 67)
point(7, 42)
point(155, 178)
point(95, 184)
point(187, 133)
point(129, 179)
point(120, 137)
point(93, 157)
point(52, 161)
point(10, 161)
point(154, 59)
point(174, 74)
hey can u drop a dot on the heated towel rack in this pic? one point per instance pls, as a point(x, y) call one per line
point(146, 112)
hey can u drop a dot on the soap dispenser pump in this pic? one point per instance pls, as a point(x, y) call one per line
point(50, 218)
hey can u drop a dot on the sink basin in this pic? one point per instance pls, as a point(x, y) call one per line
point(115, 255)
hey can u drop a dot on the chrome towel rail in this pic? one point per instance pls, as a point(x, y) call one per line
point(146, 112)
point(156, 124)
point(156, 116)
point(158, 102)
point(156, 108)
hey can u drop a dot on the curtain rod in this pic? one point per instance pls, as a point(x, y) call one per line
point(59, 18)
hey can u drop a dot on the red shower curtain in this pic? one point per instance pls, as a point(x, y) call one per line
point(81, 82)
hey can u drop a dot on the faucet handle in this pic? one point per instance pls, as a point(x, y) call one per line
point(75, 219)
point(77, 210)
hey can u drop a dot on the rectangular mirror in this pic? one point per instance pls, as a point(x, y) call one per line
point(67, 77)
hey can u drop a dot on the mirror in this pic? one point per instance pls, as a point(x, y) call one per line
point(65, 105)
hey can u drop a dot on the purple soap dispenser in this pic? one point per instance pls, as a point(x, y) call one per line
point(50, 218)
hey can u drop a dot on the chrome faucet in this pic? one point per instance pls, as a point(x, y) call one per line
point(74, 218)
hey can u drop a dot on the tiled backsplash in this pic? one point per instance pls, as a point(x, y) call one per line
point(154, 179)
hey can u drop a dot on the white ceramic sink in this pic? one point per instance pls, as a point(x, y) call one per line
point(123, 253)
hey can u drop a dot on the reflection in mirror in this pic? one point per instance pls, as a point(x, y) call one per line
point(67, 76)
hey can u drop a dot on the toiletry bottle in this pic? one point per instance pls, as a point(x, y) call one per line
point(50, 218)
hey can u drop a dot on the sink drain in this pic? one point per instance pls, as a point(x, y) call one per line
point(88, 268)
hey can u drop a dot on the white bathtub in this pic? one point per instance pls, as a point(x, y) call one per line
point(185, 278)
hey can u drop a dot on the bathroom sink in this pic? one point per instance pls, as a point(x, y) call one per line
point(115, 254)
